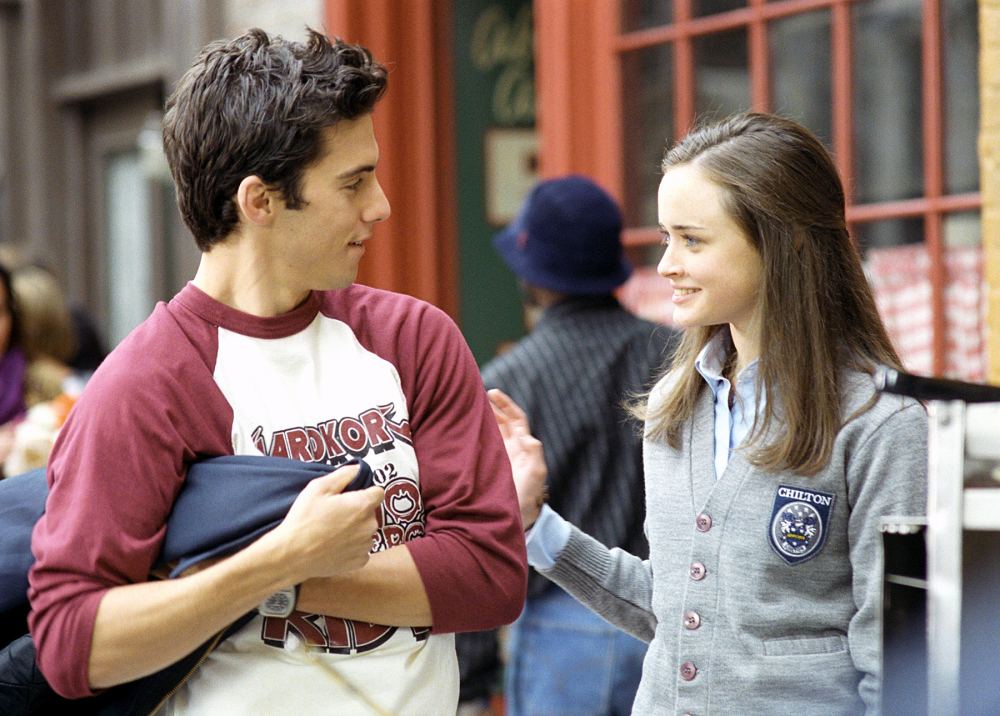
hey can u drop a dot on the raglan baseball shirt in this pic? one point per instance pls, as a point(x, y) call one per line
point(351, 373)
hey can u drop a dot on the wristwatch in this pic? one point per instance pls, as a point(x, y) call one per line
point(281, 603)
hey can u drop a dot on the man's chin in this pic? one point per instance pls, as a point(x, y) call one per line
point(338, 282)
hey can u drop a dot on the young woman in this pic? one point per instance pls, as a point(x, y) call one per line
point(769, 456)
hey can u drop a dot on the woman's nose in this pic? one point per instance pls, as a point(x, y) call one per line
point(669, 266)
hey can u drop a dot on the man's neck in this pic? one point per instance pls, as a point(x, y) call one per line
point(236, 275)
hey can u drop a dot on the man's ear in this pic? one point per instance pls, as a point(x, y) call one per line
point(255, 201)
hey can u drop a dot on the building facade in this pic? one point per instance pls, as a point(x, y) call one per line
point(488, 95)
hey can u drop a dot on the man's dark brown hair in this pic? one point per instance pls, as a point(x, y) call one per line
point(257, 105)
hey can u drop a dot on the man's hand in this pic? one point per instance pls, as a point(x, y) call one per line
point(326, 531)
point(527, 458)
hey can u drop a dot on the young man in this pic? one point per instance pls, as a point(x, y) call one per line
point(271, 350)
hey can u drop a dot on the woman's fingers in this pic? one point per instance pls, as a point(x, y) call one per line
point(510, 418)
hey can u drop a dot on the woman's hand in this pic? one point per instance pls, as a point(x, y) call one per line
point(527, 458)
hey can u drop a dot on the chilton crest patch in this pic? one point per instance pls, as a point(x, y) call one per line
point(800, 521)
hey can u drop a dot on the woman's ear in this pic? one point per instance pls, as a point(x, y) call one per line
point(255, 201)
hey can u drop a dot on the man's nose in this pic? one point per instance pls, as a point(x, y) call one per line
point(378, 209)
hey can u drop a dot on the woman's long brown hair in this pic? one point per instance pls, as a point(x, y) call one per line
point(816, 309)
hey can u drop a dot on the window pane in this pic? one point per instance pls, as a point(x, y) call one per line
point(888, 233)
point(710, 7)
point(722, 80)
point(900, 278)
point(129, 259)
point(964, 298)
point(800, 70)
point(960, 42)
point(649, 128)
point(962, 229)
point(887, 110)
point(640, 14)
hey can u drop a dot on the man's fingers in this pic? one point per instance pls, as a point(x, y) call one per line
point(335, 482)
point(374, 495)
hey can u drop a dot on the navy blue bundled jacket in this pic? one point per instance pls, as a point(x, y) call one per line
point(226, 503)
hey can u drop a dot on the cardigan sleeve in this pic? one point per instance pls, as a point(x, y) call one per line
point(614, 584)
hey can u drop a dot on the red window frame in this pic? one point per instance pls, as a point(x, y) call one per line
point(570, 125)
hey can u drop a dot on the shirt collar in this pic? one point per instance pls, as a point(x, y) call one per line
point(711, 363)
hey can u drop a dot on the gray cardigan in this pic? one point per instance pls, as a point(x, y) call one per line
point(763, 590)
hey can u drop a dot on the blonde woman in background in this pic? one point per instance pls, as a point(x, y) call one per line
point(46, 333)
point(50, 385)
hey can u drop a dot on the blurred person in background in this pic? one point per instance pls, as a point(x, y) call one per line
point(51, 385)
point(584, 358)
point(13, 366)
point(47, 334)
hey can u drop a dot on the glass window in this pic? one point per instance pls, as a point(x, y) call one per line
point(962, 229)
point(711, 7)
point(900, 279)
point(649, 116)
point(960, 45)
point(800, 70)
point(887, 101)
point(722, 79)
point(129, 257)
point(888, 233)
point(964, 298)
point(642, 14)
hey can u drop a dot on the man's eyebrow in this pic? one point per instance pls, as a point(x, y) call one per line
point(356, 170)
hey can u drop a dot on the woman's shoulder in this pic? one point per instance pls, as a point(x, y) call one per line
point(868, 408)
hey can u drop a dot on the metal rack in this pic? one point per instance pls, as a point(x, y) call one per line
point(941, 607)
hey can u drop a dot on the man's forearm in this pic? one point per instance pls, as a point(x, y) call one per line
point(142, 628)
point(388, 590)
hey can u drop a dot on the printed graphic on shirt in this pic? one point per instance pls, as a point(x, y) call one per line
point(334, 442)
point(400, 519)
point(799, 523)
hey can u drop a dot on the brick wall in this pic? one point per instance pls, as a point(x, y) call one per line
point(989, 151)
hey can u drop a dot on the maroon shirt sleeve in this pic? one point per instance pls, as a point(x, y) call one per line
point(472, 557)
point(113, 475)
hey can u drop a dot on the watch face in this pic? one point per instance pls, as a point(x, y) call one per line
point(279, 604)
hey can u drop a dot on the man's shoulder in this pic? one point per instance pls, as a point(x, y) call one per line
point(358, 302)
point(160, 346)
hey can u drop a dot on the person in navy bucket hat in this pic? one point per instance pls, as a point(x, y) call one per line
point(584, 355)
point(567, 238)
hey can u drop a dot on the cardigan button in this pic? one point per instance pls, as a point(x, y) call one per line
point(688, 670)
point(697, 571)
point(703, 522)
point(692, 620)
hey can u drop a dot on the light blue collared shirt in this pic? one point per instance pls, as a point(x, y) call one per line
point(732, 425)
point(548, 536)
